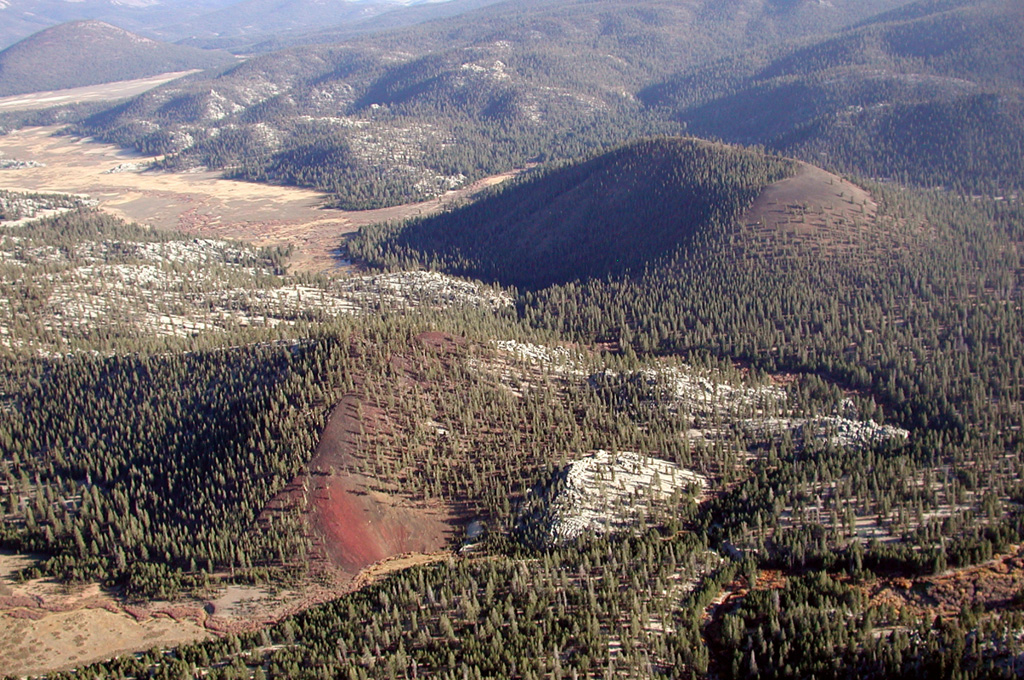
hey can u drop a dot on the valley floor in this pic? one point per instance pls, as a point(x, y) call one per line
point(200, 203)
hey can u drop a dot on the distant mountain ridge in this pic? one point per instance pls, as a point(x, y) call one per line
point(21, 18)
point(930, 93)
point(243, 29)
point(372, 119)
point(177, 20)
point(92, 52)
point(240, 23)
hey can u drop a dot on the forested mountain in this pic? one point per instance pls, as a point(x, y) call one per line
point(936, 276)
point(929, 94)
point(660, 406)
point(91, 52)
point(373, 119)
point(813, 316)
point(615, 214)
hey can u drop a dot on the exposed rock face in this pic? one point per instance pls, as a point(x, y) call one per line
point(607, 492)
point(181, 287)
point(831, 430)
point(15, 164)
point(422, 288)
point(721, 409)
point(689, 391)
point(16, 206)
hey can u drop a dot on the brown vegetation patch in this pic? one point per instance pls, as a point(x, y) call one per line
point(992, 586)
point(813, 209)
point(443, 342)
point(728, 600)
point(770, 579)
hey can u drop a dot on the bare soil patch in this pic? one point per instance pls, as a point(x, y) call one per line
point(47, 626)
point(353, 524)
point(363, 524)
point(815, 209)
point(443, 342)
point(377, 571)
point(66, 640)
point(200, 203)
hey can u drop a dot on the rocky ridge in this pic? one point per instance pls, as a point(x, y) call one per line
point(182, 287)
point(607, 492)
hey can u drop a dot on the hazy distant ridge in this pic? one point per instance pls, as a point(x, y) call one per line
point(92, 52)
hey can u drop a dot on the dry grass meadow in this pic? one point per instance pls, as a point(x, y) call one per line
point(200, 203)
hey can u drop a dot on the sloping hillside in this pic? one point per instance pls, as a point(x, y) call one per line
point(637, 209)
point(930, 93)
point(410, 113)
point(91, 52)
point(616, 213)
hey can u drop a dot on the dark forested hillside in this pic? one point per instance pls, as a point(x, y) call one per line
point(92, 52)
point(191, 449)
point(614, 214)
point(915, 303)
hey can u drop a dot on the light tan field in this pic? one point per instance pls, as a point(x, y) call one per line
point(66, 640)
point(46, 626)
point(200, 203)
point(90, 93)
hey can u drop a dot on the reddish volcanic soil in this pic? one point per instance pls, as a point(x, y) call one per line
point(353, 523)
point(361, 528)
